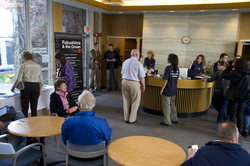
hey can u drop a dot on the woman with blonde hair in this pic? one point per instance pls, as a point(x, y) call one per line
point(196, 67)
point(149, 62)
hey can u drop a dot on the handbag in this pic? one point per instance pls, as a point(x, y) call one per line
point(20, 84)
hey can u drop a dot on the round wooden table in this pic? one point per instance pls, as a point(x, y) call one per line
point(145, 151)
point(38, 126)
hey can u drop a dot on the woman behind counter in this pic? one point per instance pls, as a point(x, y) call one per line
point(218, 100)
point(169, 90)
point(195, 68)
point(149, 62)
point(66, 71)
point(61, 101)
point(31, 75)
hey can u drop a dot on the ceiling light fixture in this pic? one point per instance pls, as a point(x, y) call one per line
point(120, 12)
point(234, 9)
point(171, 11)
point(202, 10)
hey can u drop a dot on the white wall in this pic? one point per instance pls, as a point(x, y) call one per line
point(211, 34)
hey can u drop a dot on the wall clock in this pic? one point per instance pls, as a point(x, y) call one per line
point(185, 39)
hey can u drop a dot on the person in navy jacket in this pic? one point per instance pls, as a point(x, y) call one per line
point(149, 62)
point(225, 151)
point(195, 68)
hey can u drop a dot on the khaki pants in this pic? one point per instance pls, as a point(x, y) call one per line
point(131, 93)
point(95, 73)
point(169, 109)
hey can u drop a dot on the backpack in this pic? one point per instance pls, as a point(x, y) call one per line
point(242, 89)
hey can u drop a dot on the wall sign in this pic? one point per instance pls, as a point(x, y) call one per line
point(71, 45)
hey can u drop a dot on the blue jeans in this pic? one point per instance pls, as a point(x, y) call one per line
point(112, 72)
point(19, 115)
point(220, 104)
point(246, 123)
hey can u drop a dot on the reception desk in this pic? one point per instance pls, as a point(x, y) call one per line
point(193, 97)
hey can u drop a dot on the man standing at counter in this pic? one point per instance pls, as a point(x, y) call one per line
point(169, 90)
point(223, 57)
point(132, 74)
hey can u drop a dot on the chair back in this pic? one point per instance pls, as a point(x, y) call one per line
point(6, 148)
point(86, 148)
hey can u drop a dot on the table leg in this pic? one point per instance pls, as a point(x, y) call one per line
point(42, 140)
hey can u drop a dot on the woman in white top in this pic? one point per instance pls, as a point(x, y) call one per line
point(30, 74)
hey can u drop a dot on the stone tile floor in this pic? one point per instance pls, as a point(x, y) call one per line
point(189, 131)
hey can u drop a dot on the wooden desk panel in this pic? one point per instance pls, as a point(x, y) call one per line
point(192, 99)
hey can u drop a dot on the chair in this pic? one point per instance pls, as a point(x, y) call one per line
point(19, 155)
point(86, 152)
point(56, 136)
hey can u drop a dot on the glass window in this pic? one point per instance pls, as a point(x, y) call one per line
point(12, 34)
point(74, 20)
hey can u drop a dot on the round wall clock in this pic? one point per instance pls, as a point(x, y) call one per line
point(185, 39)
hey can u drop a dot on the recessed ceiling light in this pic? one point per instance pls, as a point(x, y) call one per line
point(171, 11)
point(202, 10)
point(234, 9)
point(144, 11)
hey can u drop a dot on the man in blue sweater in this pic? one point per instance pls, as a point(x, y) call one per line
point(84, 128)
point(225, 151)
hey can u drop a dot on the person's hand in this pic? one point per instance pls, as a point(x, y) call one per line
point(204, 79)
point(114, 59)
point(202, 75)
point(143, 89)
point(148, 72)
point(107, 60)
point(12, 89)
point(191, 153)
point(71, 110)
point(234, 62)
point(56, 78)
point(1, 124)
point(74, 108)
point(161, 93)
point(53, 75)
point(191, 61)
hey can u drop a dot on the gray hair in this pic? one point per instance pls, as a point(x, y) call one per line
point(86, 101)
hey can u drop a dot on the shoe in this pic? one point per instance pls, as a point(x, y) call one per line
point(244, 134)
point(175, 122)
point(126, 121)
point(31, 141)
point(132, 122)
point(98, 89)
point(109, 90)
point(164, 124)
point(117, 90)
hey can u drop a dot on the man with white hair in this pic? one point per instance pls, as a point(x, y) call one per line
point(224, 151)
point(84, 128)
point(132, 74)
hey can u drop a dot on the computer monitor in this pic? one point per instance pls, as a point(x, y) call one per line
point(183, 72)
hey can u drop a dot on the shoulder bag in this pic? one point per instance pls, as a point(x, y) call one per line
point(20, 84)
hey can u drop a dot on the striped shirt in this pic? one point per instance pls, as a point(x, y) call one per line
point(132, 69)
point(32, 73)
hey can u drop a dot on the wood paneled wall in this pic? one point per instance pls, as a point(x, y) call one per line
point(128, 25)
point(244, 26)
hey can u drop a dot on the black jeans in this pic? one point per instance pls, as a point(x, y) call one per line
point(236, 109)
point(30, 95)
point(220, 104)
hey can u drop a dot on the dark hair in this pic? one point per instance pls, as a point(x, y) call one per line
point(226, 131)
point(222, 63)
point(173, 59)
point(61, 57)
point(241, 64)
point(203, 62)
point(58, 83)
point(95, 44)
point(26, 55)
point(230, 62)
point(110, 44)
point(222, 55)
point(141, 56)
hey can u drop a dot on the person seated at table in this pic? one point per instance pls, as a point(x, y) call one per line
point(219, 101)
point(84, 128)
point(195, 68)
point(149, 62)
point(61, 101)
point(10, 116)
point(224, 151)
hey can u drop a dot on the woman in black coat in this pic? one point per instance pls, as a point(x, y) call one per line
point(236, 106)
point(61, 101)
